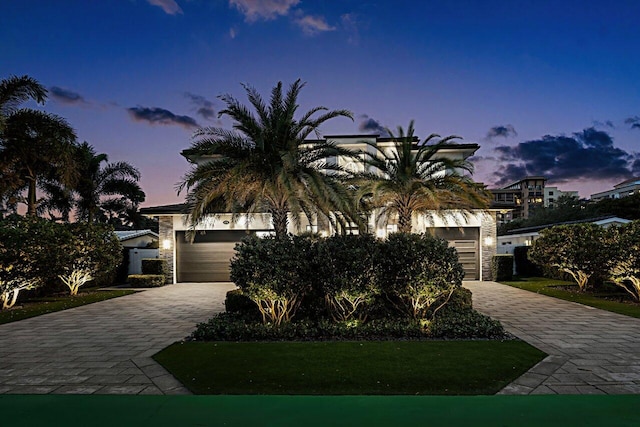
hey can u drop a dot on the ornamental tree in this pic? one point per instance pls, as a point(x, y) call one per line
point(582, 250)
point(418, 273)
point(89, 249)
point(625, 268)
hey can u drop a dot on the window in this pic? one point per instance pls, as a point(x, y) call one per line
point(551, 193)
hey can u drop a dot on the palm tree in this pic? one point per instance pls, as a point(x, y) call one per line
point(16, 90)
point(37, 148)
point(413, 178)
point(104, 192)
point(265, 165)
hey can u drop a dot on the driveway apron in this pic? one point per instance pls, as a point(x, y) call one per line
point(591, 351)
point(105, 347)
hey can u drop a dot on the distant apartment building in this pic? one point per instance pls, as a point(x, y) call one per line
point(519, 199)
point(624, 189)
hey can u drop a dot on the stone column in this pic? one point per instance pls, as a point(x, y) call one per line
point(167, 251)
point(488, 242)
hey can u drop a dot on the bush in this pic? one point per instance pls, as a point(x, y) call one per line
point(524, 266)
point(275, 273)
point(237, 302)
point(418, 273)
point(502, 267)
point(146, 280)
point(155, 266)
point(460, 302)
point(469, 324)
point(348, 280)
point(625, 268)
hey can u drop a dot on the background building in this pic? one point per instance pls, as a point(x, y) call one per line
point(624, 189)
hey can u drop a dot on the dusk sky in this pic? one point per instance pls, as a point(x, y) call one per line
point(545, 87)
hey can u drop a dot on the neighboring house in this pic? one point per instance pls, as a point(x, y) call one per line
point(518, 199)
point(526, 236)
point(141, 244)
point(624, 189)
point(207, 258)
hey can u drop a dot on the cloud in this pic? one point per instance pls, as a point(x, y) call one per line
point(505, 131)
point(350, 24)
point(607, 123)
point(587, 155)
point(633, 121)
point(254, 10)
point(312, 25)
point(170, 7)
point(160, 116)
point(66, 96)
point(203, 105)
point(369, 124)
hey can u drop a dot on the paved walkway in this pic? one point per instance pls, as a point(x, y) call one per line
point(105, 347)
point(590, 351)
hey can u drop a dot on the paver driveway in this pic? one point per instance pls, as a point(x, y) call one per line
point(105, 347)
point(591, 351)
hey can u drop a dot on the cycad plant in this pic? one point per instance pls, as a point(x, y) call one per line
point(265, 164)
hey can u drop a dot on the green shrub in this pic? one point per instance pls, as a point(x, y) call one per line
point(155, 266)
point(502, 267)
point(237, 302)
point(418, 273)
point(469, 324)
point(348, 279)
point(524, 266)
point(146, 280)
point(275, 273)
point(461, 301)
point(625, 268)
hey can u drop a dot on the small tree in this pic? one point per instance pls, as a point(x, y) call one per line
point(582, 250)
point(89, 249)
point(625, 269)
point(348, 266)
point(418, 273)
point(274, 273)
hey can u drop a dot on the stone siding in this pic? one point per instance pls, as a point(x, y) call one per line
point(165, 232)
point(488, 234)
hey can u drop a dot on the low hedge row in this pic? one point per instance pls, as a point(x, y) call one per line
point(146, 280)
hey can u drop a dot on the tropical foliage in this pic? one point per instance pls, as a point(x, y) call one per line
point(265, 165)
point(414, 177)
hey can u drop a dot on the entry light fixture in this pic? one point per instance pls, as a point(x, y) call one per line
point(488, 241)
point(166, 244)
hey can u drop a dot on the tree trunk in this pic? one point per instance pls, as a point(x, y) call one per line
point(280, 220)
point(31, 198)
point(404, 220)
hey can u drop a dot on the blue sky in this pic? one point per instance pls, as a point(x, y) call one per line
point(548, 88)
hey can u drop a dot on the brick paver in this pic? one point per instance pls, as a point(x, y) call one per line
point(591, 351)
point(105, 347)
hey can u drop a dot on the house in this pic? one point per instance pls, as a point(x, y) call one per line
point(552, 194)
point(206, 259)
point(140, 244)
point(527, 235)
point(625, 188)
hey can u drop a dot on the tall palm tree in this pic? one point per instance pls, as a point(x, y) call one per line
point(16, 90)
point(37, 148)
point(413, 178)
point(104, 191)
point(265, 165)
point(13, 92)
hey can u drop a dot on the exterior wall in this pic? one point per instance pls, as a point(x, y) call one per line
point(488, 241)
point(167, 245)
point(138, 242)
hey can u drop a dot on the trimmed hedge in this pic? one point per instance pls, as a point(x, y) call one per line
point(502, 267)
point(155, 266)
point(524, 266)
point(146, 280)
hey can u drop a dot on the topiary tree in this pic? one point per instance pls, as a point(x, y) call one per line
point(348, 266)
point(90, 249)
point(418, 273)
point(582, 250)
point(275, 273)
point(625, 268)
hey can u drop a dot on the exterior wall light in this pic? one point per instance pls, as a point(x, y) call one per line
point(488, 241)
point(166, 244)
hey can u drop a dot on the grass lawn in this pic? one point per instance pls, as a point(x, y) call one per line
point(598, 300)
point(37, 306)
point(349, 368)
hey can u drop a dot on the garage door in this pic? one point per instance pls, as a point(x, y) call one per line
point(465, 241)
point(207, 258)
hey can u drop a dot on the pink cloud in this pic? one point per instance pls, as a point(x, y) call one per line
point(170, 7)
point(254, 10)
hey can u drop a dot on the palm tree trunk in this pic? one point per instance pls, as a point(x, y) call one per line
point(31, 198)
point(404, 220)
point(280, 220)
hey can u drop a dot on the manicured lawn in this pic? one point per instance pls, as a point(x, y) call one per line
point(349, 368)
point(39, 306)
point(549, 287)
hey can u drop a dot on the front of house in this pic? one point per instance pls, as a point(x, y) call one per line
point(206, 258)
